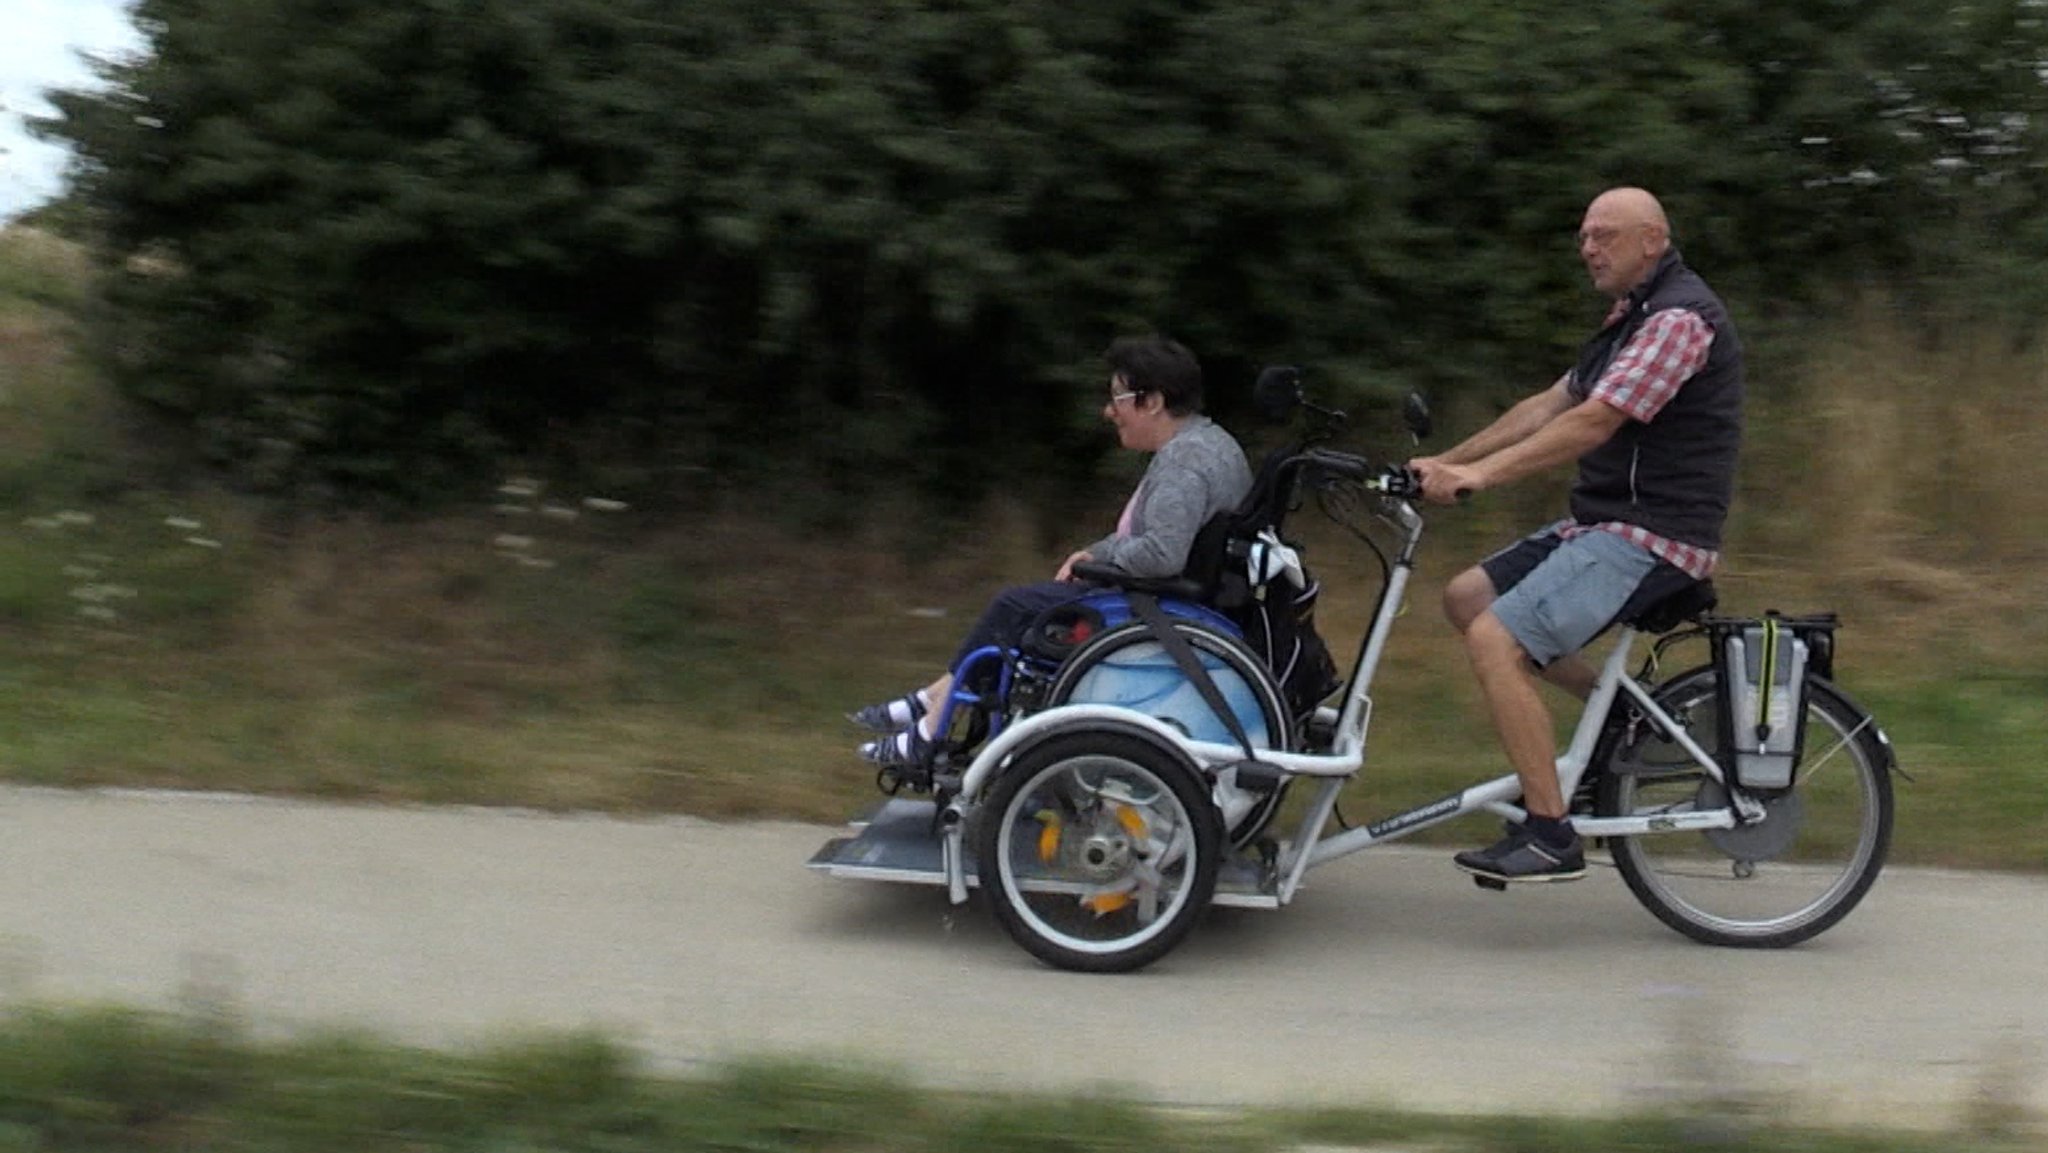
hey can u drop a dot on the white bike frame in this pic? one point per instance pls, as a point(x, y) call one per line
point(1310, 846)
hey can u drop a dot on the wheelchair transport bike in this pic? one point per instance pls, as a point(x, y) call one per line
point(1124, 767)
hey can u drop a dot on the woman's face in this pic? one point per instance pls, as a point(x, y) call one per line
point(1139, 417)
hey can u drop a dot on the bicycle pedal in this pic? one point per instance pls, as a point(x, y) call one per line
point(1493, 883)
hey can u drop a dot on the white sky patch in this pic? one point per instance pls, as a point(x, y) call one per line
point(39, 45)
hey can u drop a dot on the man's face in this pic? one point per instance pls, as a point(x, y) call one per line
point(1619, 249)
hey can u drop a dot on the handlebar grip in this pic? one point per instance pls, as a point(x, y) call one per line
point(1341, 464)
point(1400, 480)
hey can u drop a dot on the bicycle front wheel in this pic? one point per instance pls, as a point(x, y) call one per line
point(1774, 883)
point(1099, 851)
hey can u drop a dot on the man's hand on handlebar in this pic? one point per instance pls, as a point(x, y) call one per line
point(1446, 483)
point(1066, 572)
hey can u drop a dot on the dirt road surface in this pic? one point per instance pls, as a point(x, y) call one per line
point(1391, 979)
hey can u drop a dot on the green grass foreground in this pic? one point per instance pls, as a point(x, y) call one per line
point(105, 1079)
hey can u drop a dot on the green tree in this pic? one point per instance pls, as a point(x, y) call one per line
point(379, 247)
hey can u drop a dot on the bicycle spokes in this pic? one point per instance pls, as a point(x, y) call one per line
point(1803, 857)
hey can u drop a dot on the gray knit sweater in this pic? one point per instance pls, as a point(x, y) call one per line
point(1200, 472)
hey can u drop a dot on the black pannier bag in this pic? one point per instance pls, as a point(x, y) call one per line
point(1763, 666)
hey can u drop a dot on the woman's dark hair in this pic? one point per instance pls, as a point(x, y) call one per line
point(1156, 364)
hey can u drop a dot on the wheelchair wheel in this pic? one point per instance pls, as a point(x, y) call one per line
point(1781, 880)
point(1126, 666)
point(1098, 850)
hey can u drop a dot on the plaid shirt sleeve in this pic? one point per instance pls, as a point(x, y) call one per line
point(1661, 356)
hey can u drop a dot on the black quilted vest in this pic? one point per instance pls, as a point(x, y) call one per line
point(1675, 475)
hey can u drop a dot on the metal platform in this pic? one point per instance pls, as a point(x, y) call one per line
point(898, 842)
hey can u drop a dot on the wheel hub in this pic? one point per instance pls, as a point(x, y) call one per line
point(1106, 852)
point(1763, 840)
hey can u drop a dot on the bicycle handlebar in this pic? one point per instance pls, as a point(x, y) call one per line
point(1339, 464)
point(1395, 480)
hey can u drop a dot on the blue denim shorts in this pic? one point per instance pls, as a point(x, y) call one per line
point(1555, 595)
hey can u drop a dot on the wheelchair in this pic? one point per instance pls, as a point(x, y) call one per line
point(1243, 663)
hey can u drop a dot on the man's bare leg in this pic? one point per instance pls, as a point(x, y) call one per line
point(1545, 848)
point(1519, 714)
point(1471, 593)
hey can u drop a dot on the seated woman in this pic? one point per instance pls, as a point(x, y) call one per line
point(1197, 471)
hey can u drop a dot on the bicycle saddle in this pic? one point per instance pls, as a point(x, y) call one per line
point(1662, 616)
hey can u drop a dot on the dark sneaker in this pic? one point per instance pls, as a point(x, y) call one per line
point(889, 716)
point(907, 748)
point(1523, 856)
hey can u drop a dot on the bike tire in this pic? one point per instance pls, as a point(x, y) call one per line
point(1063, 887)
point(1829, 812)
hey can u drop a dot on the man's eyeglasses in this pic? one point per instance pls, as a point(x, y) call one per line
point(1604, 236)
point(1115, 396)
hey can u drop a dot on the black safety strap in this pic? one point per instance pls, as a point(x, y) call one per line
point(1183, 655)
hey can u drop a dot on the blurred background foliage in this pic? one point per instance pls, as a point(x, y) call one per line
point(832, 250)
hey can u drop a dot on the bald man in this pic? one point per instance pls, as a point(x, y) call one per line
point(1652, 413)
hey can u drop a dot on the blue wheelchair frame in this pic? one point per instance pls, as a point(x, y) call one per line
point(1111, 605)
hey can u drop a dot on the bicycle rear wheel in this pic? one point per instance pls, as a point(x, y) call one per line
point(1780, 881)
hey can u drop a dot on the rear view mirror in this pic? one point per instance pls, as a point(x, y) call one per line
point(1415, 414)
point(1277, 392)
